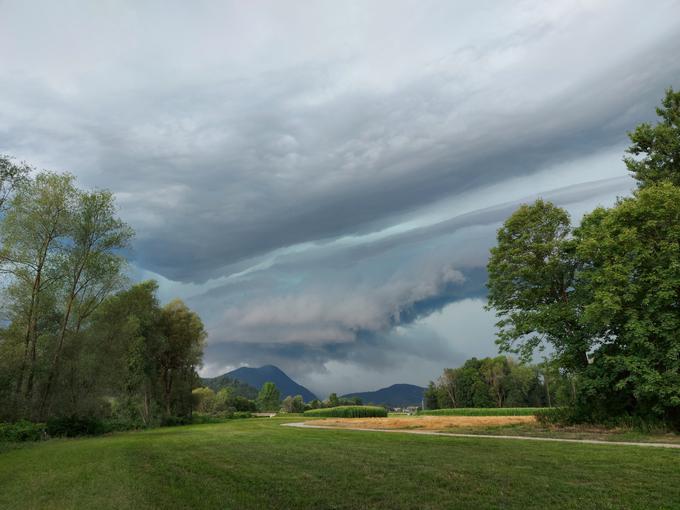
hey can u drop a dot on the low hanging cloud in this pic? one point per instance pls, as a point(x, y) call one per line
point(338, 313)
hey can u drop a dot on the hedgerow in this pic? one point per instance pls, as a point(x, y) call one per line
point(22, 431)
point(349, 412)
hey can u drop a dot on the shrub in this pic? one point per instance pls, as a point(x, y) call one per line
point(74, 426)
point(486, 411)
point(22, 431)
point(348, 412)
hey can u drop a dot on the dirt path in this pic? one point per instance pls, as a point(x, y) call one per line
point(305, 425)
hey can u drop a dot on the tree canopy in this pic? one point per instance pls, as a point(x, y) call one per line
point(604, 296)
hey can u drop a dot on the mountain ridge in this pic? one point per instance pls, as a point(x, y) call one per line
point(396, 395)
point(257, 376)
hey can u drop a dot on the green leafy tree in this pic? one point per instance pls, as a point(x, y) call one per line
point(655, 150)
point(333, 400)
point(11, 176)
point(179, 355)
point(293, 404)
point(203, 400)
point(532, 286)
point(430, 396)
point(269, 398)
point(633, 273)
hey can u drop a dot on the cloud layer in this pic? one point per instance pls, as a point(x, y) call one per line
point(316, 179)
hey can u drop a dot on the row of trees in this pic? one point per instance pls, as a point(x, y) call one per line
point(603, 297)
point(498, 382)
point(76, 340)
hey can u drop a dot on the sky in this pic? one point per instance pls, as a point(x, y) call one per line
point(321, 181)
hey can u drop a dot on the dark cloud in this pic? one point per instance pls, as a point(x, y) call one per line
point(311, 180)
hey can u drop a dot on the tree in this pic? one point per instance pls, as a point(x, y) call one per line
point(532, 287)
point(655, 151)
point(293, 404)
point(34, 234)
point(430, 396)
point(179, 355)
point(269, 398)
point(11, 176)
point(91, 268)
point(333, 400)
point(633, 273)
point(203, 400)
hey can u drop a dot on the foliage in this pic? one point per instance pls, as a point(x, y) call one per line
point(269, 398)
point(78, 347)
point(22, 431)
point(293, 404)
point(348, 412)
point(223, 403)
point(238, 388)
point(497, 382)
point(333, 400)
point(655, 151)
point(604, 295)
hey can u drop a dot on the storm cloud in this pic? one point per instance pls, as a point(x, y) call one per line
point(322, 180)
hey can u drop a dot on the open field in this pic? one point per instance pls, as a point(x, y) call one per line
point(525, 426)
point(427, 422)
point(257, 463)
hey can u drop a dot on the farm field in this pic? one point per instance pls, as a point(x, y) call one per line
point(257, 463)
point(428, 422)
point(499, 424)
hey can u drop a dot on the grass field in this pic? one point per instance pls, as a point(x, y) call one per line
point(256, 463)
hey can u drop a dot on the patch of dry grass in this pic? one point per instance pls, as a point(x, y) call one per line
point(426, 422)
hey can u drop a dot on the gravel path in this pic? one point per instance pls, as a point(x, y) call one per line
point(305, 425)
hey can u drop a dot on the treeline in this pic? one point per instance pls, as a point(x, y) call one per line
point(604, 296)
point(76, 340)
point(498, 382)
point(228, 400)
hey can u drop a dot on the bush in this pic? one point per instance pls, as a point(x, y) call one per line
point(487, 411)
point(22, 431)
point(568, 416)
point(349, 412)
point(74, 426)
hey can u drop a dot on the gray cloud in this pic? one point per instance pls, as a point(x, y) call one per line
point(307, 178)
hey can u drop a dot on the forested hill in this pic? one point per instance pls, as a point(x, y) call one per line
point(397, 395)
point(256, 377)
point(238, 388)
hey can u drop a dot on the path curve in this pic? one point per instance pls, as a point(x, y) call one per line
point(305, 425)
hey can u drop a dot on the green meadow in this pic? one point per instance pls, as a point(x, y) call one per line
point(257, 463)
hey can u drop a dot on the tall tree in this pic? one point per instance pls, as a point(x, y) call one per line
point(655, 149)
point(633, 272)
point(11, 176)
point(180, 354)
point(532, 272)
point(34, 232)
point(269, 398)
point(91, 268)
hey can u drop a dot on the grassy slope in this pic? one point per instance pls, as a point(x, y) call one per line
point(259, 464)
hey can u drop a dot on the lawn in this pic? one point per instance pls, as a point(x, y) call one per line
point(256, 463)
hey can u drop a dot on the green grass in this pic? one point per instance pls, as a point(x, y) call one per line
point(486, 411)
point(257, 463)
point(348, 412)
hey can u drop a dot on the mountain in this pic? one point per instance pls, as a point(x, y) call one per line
point(238, 388)
point(256, 377)
point(397, 395)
